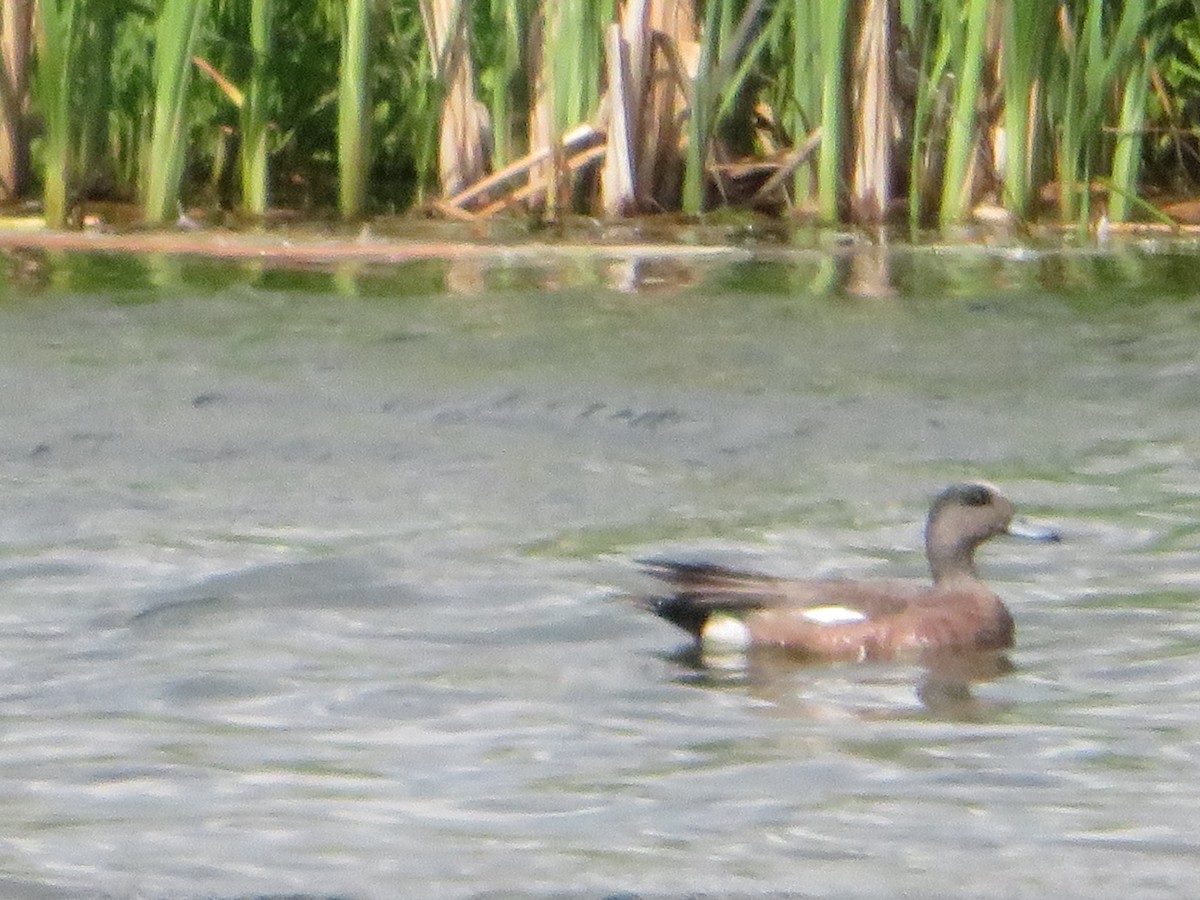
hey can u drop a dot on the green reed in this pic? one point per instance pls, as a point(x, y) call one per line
point(176, 33)
point(933, 49)
point(255, 110)
point(578, 69)
point(962, 141)
point(571, 63)
point(95, 46)
point(1029, 30)
point(58, 20)
point(410, 126)
point(1099, 55)
point(833, 50)
point(354, 114)
point(742, 53)
point(1154, 24)
point(501, 73)
point(699, 127)
point(1062, 88)
point(800, 106)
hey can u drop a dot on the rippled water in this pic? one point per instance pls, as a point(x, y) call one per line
point(310, 579)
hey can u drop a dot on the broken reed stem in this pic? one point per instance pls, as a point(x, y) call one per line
point(619, 187)
point(579, 137)
point(874, 127)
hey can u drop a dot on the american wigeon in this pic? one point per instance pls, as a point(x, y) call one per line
point(731, 611)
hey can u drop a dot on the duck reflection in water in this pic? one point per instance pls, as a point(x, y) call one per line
point(955, 628)
point(804, 687)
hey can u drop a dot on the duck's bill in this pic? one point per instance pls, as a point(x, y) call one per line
point(1030, 531)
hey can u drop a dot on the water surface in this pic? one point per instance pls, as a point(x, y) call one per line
point(311, 577)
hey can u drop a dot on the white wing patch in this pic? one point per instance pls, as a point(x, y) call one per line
point(833, 615)
point(723, 633)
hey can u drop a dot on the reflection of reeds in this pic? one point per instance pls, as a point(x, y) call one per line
point(833, 108)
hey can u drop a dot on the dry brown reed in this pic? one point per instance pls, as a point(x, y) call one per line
point(16, 19)
point(463, 156)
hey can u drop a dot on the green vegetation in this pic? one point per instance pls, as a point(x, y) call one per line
point(57, 19)
point(176, 31)
point(354, 114)
point(255, 118)
point(826, 109)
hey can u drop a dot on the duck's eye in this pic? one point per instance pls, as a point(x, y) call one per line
point(975, 495)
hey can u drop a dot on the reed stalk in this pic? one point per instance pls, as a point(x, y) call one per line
point(730, 48)
point(1127, 153)
point(57, 19)
point(503, 77)
point(176, 33)
point(741, 52)
point(1061, 89)
point(462, 149)
point(415, 64)
point(961, 143)
point(871, 180)
point(938, 34)
point(628, 50)
point(577, 65)
point(699, 126)
point(16, 29)
point(542, 104)
point(832, 31)
point(1132, 53)
point(1099, 53)
point(354, 114)
point(802, 110)
point(255, 111)
point(1028, 28)
point(566, 81)
point(93, 97)
point(663, 41)
point(618, 187)
point(1069, 164)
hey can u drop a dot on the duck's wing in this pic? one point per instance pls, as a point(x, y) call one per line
point(870, 599)
point(713, 580)
point(701, 589)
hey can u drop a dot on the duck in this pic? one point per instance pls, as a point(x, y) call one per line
point(730, 611)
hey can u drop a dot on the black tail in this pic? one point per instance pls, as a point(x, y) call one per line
point(685, 610)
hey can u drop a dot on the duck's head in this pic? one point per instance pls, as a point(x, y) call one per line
point(962, 517)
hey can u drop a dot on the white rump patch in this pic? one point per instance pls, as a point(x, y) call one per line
point(833, 615)
point(723, 633)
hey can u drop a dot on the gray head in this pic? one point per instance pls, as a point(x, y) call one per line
point(962, 517)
